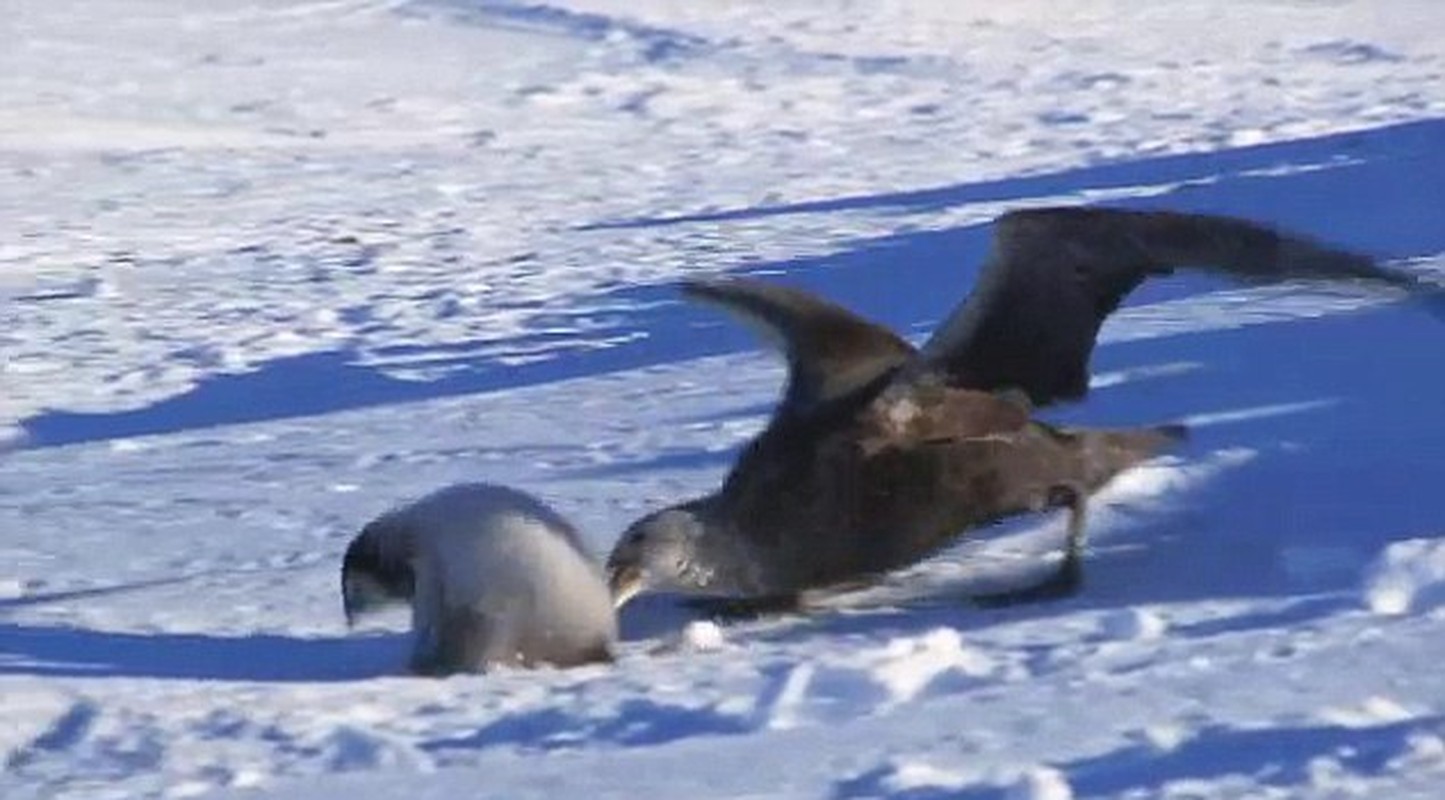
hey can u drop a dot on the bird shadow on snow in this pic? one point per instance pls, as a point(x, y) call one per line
point(1270, 756)
point(1377, 190)
point(77, 652)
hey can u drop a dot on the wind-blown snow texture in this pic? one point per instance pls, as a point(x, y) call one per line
point(273, 267)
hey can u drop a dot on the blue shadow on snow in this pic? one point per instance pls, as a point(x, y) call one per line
point(1271, 756)
point(1379, 191)
point(77, 653)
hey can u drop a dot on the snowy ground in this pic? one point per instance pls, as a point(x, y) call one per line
point(273, 267)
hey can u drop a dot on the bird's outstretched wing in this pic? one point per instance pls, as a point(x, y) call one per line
point(830, 350)
point(1054, 274)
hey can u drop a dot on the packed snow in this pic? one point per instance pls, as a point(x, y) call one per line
point(275, 266)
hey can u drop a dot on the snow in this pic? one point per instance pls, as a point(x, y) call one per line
point(1134, 623)
point(274, 267)
point(1041, 783)
point(701, 635)
point(1408, 576)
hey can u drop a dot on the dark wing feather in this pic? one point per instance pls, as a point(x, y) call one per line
point(830, 350)
point(1055, 274)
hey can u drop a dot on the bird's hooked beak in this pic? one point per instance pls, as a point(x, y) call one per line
point(625, 582)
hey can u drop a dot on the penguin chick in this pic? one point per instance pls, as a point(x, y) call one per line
point(494, 578)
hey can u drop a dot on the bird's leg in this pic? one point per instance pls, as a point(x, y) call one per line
point(1069, 578)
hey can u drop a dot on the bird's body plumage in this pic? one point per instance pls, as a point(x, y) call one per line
point(817, 505)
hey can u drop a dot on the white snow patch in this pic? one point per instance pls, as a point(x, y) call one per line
point(702, 636)
point(12, 437)
point(1134, 624)
point(1168, 474)
point(1257, 412)
point(781, 705)
point(1423, 750)
point(31, 716)
point(1104, 380)
point(875, 679)
point(907, 666)
point(1408, 577)
point(352, 747)
point(1371, 712)
point(913, 774)
point(1041, 783)
point(1164, 737)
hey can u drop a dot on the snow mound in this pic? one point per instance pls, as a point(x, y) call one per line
point(37, 720)
point(1408, 577)
point(1132, 624)
point(911, 776)
point(697, 636)
point(352, 747)
point(12, 437)
point(12, 588)
point(876, 679)
point(1372, 712)
point(1041, 783)
point(701, 636)
point(907, 775)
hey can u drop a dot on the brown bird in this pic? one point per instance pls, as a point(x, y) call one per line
point(880, 454)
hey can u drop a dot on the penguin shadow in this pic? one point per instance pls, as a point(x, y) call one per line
point(70, 651)
point(46, 651)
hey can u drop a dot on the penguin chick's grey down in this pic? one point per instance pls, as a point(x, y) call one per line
point(494, 577)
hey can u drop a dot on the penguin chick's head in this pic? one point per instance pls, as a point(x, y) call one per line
point(659, 551)
point(375, 572)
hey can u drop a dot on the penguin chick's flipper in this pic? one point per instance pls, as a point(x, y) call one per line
point(466, 640)
point(1068, 579)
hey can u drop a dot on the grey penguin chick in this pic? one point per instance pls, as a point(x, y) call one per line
point(494, 577)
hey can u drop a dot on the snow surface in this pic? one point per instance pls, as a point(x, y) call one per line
point(272, 267)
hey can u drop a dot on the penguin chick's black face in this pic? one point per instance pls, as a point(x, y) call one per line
point(369, 579)
point(657, 552)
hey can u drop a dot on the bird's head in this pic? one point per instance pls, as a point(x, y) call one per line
point(659, 551)
point(372, 574)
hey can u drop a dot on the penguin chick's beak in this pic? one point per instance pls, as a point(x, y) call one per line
point(350, 607)
point(361, 596)
point(625, 583)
